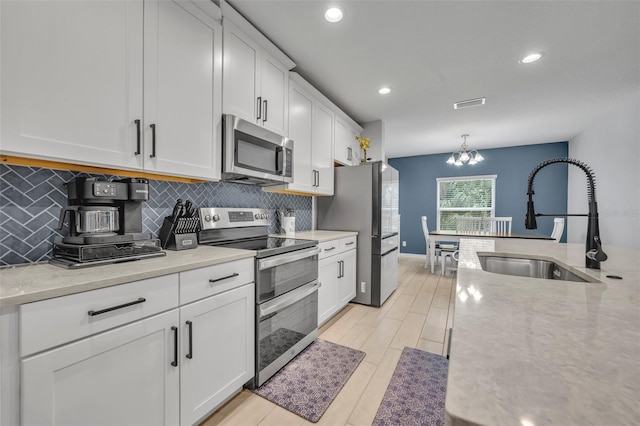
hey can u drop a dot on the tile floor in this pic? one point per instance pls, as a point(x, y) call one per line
point(418, 314)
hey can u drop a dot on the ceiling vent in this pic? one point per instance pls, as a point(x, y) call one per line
point(469, 103)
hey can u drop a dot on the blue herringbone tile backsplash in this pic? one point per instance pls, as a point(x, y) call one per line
point(31, 198)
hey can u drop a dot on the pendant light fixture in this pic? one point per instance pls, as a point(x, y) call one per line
point(464, 155)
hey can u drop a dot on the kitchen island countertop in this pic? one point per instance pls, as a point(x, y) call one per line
point(30, 283)
point(527, 351)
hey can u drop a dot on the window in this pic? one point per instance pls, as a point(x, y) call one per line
point(465, 196)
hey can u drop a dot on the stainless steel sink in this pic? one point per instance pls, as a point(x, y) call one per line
point(526, 267)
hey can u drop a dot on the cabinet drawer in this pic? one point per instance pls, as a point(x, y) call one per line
point(329, 248)
point(51, 322)
point(203, 282)
point(348, 243)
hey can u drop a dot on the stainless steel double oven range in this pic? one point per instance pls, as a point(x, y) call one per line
point(286, 277)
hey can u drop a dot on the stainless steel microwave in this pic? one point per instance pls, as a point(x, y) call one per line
point(254, 155)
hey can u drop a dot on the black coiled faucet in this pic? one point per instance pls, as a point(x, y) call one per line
point(594, 253)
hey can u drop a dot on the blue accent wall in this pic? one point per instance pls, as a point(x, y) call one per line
point(512, 165)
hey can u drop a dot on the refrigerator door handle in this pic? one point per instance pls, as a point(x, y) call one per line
point(390, 251)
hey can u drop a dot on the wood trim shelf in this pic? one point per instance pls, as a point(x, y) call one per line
point(33, 162)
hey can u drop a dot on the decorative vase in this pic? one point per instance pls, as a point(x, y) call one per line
point(364, 156)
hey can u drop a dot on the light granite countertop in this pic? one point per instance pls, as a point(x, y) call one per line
point(30, 283)
point(24, 284)
point(321, 235)
point(528, 351)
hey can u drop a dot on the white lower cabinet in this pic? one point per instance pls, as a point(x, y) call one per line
point(327, 293)
point(337, 275)
point(121, 377)
point(132, 355)
point(347, 280)
point(217, 345)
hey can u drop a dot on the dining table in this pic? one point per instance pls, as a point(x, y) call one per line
point(440, 238)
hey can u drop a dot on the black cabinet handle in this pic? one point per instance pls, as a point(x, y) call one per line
point(175, 346)
point(350, 243)
point(215, 280)
point(137, 136)
point(259, 108)
point(190, 325)
point(265, 111)
point(331, 248)
point(124, 305)
point(153, 140)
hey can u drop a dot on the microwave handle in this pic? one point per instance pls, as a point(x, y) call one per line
point(281, 160)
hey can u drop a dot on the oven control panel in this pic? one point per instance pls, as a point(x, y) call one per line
point(223, 217)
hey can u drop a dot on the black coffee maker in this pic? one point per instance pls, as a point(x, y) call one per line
point(105, 223)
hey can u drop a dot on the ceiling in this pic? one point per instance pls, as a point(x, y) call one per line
point(434, 53)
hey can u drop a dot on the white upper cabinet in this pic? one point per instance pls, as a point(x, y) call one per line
point(347, 149)
point(301, 131)
point(311, 128)
point(183, 90)
point(72, 81)
point(255, 83)
point(74, 75)
point(322, 148)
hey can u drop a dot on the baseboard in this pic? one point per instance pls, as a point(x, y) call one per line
point(412, 255)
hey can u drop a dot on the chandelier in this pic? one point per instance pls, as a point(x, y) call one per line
point(465, 156)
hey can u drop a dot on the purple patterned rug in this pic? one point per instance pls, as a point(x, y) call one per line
point(415, 395)
point(310, 382)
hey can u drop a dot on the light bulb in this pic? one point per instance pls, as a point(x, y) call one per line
point(333, 14)
point(451, 160)
point(473, 161)
point(478, 157)
point(458, 162)
point(531, 58)
point(464, 156)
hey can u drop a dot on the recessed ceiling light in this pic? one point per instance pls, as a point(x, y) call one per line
point(333, 14)
point(531, 58)
point(384, 90)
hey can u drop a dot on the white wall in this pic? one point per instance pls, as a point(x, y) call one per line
point(374, 130)
point(611, 147)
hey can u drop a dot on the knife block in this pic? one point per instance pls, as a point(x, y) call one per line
point(181, 234)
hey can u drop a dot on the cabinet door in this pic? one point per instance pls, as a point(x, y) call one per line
point(300, 130)
point(240, 72)
point(221, 349)
point(322, 148)
point(274, 81)
point(120, 377)
point(183, 90)
point(347, 283)
point(72, 80)
point(328, 271)
point(343, 150)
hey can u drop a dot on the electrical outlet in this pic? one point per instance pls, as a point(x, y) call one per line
point(404, 244)
point(363, 287)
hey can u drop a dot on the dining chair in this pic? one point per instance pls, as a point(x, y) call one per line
point(440, 252)
point(558, 228)
point(500, 225)
point(469, 224)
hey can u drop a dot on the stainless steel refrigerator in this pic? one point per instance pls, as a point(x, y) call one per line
point(366, 200)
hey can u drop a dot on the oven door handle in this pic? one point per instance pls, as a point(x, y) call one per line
point(288, 299)
point(287, 258)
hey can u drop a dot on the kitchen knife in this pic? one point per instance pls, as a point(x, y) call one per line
point(187, 208)
point(177, 210)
